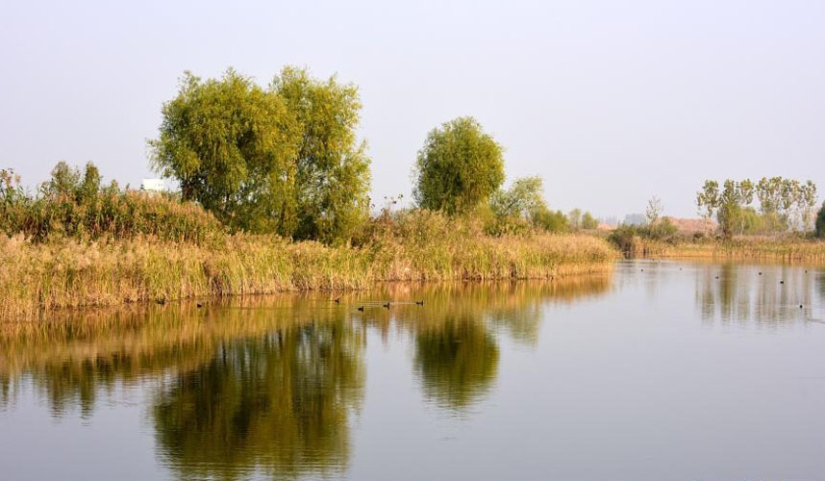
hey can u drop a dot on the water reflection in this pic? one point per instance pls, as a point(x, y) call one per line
point(766, 295)
point(278, 404)
point(270, 385)
point(457, 361)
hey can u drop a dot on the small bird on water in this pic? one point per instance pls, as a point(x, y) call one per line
point(337, 300)
point(361, 308)
point(781, 282)
point(419, 303)
point(386, 306)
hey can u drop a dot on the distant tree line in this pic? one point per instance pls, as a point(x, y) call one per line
point(784, 204)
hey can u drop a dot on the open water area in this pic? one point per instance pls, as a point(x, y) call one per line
point(660, 370)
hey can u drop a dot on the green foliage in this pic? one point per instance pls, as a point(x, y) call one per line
point(524, 196)
point(574, 219)
point(663, 229)
point(654, 210)
point(332, 168)
point(589, 222)
point(284, 160)
point(458, 168)
point(784, 203)
point(548, 220)
point(820, 222)
point(629, 238)
point(231, 146)
point(72, 204)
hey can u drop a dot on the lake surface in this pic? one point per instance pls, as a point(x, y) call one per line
point(658, 371)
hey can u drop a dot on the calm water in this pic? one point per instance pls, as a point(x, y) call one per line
point(660, 371)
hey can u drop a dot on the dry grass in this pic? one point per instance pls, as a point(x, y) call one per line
point(66, 273)
point(745, 247)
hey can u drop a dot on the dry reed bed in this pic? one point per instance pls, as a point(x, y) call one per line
point(68, 273)
point(788, 250)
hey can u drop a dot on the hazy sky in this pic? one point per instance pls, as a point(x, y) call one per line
point(611, 102)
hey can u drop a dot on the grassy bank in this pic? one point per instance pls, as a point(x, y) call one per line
point(788, 249)
point(66, 272)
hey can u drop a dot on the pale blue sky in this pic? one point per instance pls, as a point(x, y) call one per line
point(610, 102)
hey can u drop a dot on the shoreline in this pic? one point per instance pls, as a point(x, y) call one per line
point(69, 274)
point(743, 248)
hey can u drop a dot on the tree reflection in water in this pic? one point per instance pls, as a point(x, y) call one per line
point(269, 385)
point(457, 362)
point(278, 404)
point(767, 295)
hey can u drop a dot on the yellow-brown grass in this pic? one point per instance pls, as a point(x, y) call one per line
point(745, 247)
point(65, 273)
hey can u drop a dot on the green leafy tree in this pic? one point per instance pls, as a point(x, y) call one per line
point(524, 196)
point(574, 219)
point(332, 168)
point(589, 222)
point(729, 212)
point(232, 146)
point(707, 200)
point(458, 168)
point(820, 222)
point(548, 220)
point(653, 211)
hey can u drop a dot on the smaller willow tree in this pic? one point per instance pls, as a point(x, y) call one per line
point(458, 168)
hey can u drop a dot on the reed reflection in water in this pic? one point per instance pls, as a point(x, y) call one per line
point(269, 386)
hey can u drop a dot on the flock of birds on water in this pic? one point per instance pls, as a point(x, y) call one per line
point(385, 305)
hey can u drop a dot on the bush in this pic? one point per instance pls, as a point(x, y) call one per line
point(71, 205)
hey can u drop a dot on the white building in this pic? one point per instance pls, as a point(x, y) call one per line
point(152, 185)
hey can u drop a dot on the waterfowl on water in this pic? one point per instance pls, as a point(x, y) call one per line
point(419, 303)
point(361, 308)
point(337, 300)
point(161, 301)
point(199, 305)
point(386, 306)
point(781, 282)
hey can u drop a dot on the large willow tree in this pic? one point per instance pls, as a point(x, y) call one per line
point(282, 160)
